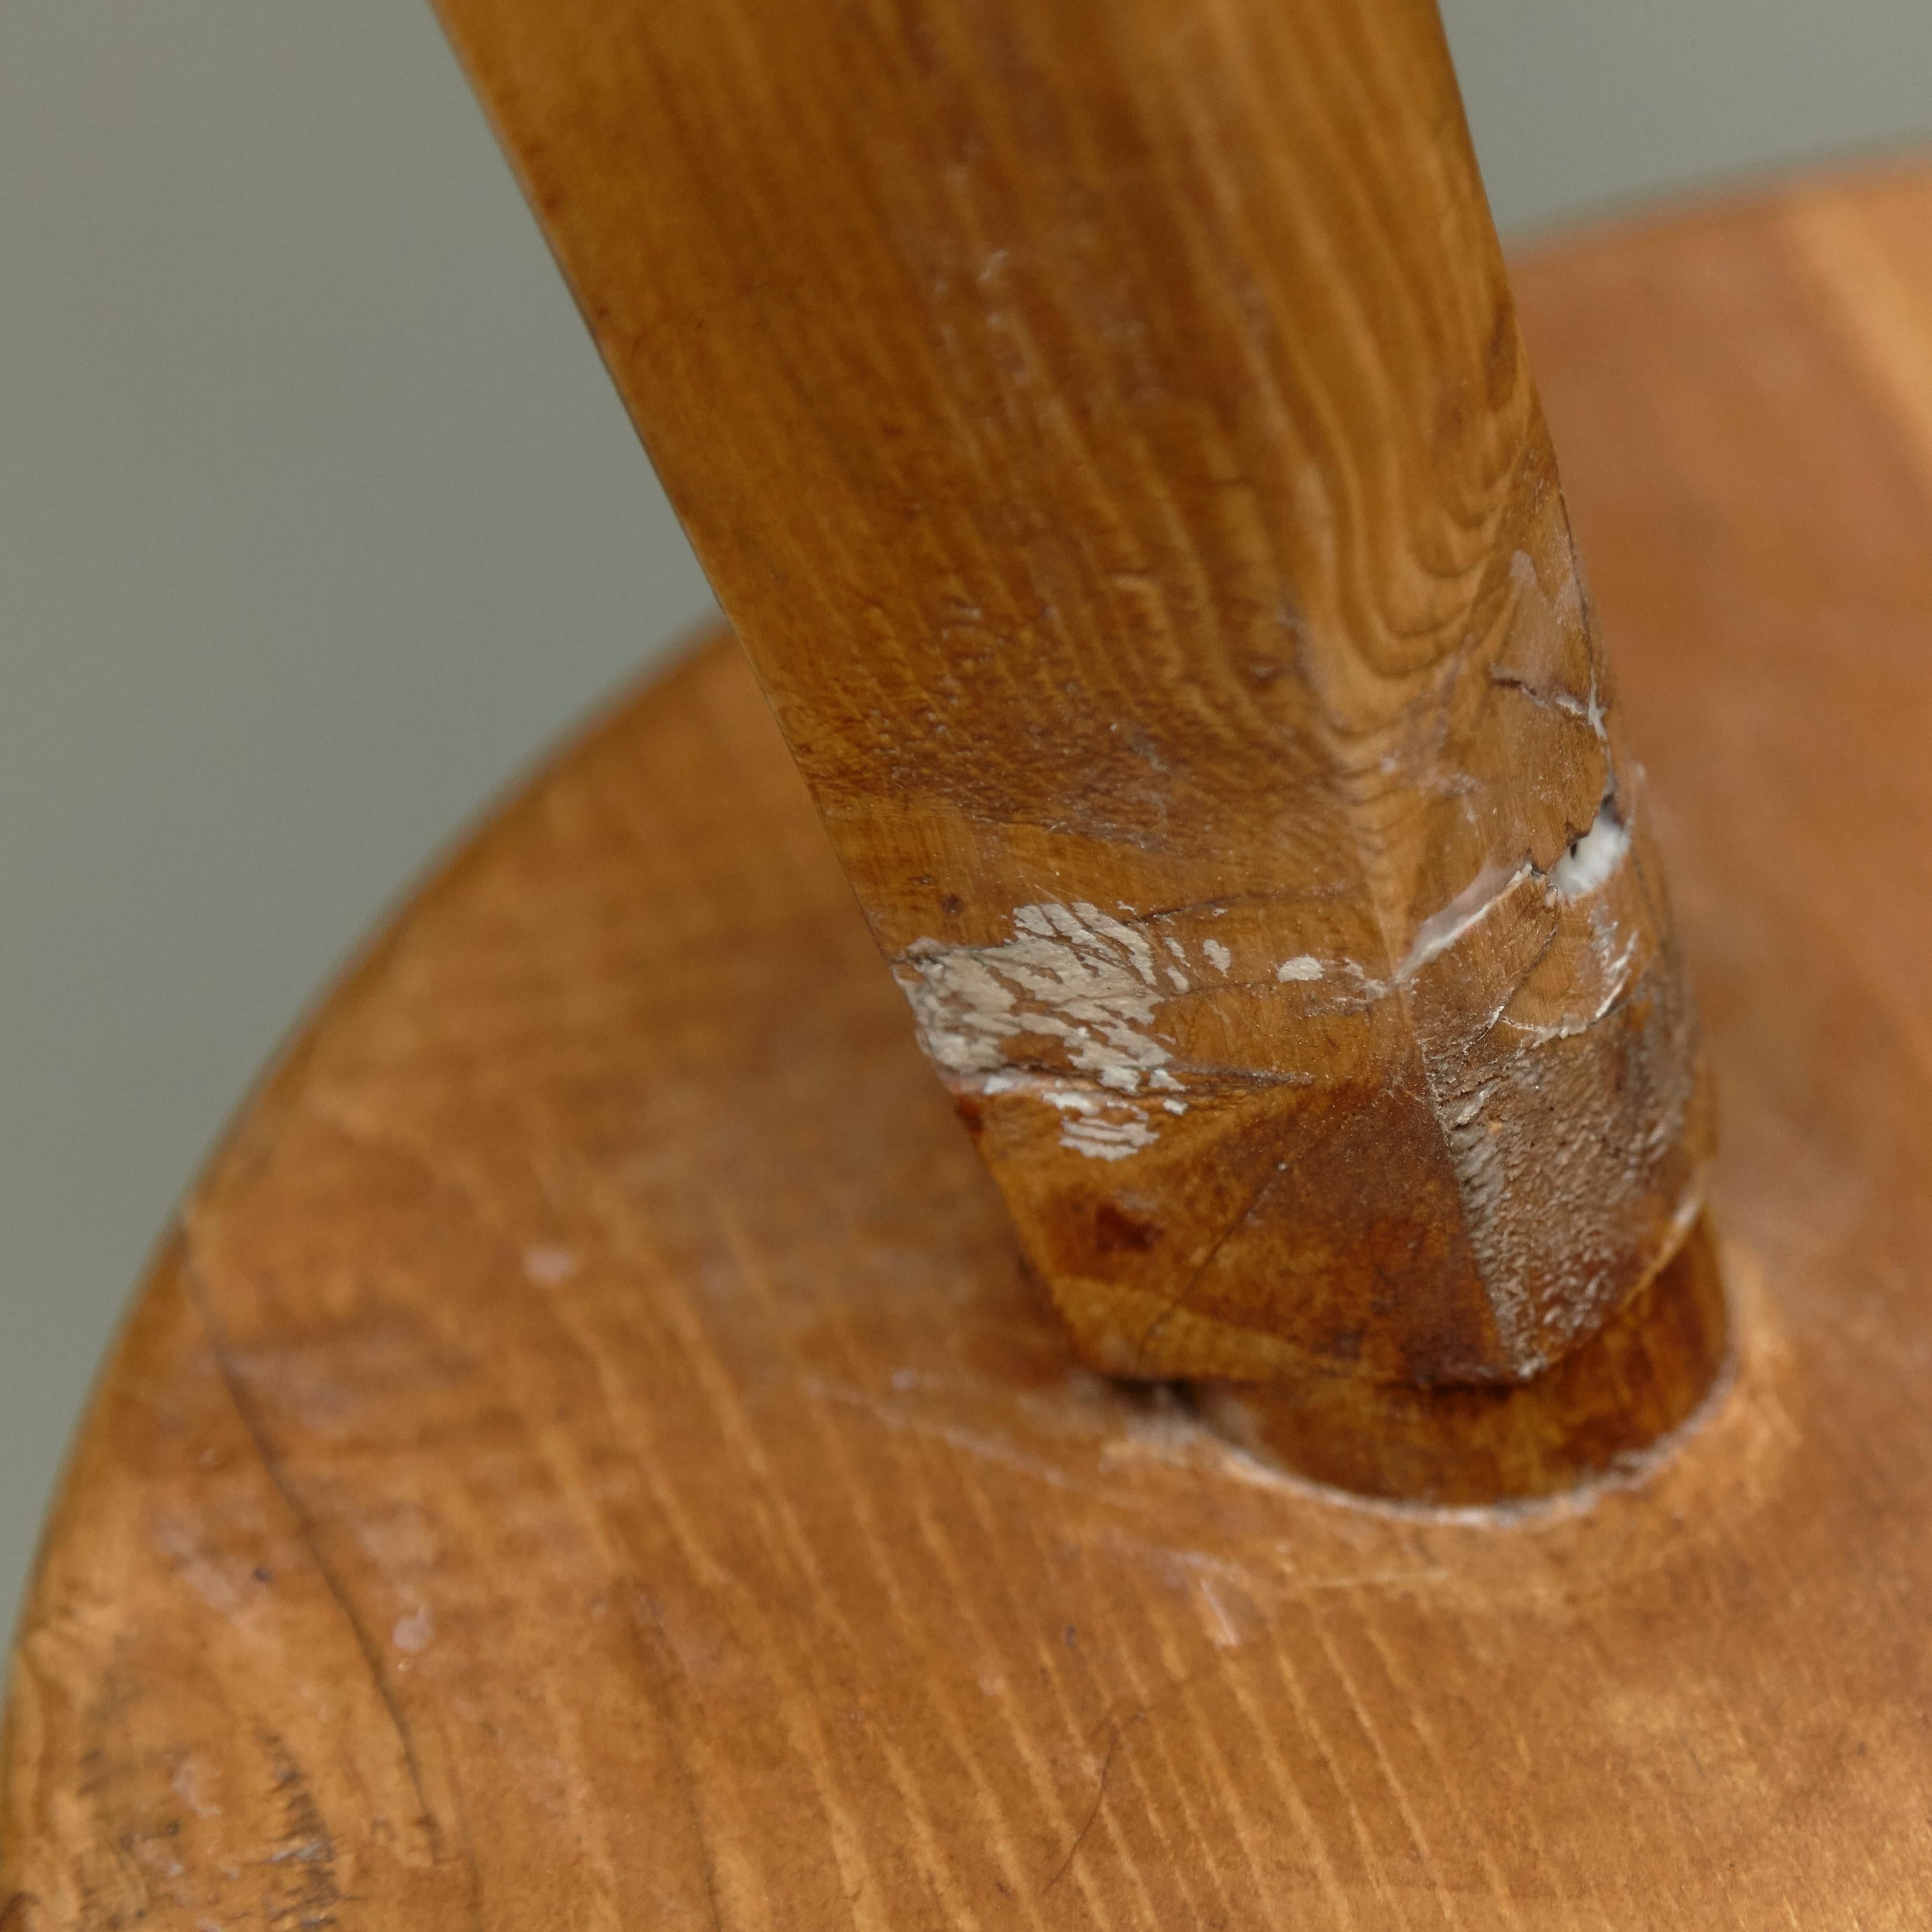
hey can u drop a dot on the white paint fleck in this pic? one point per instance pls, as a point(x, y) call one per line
point(1591, 860)
point(1369, 986)
point(1221, 1631)
point(186, 1779)
point(1103, 1139)
point(412, 1632)
point(548, 1265)
point(899, 1417)
point(1218, 954)
point(1175, 1106)
point(1069, 1100)
point(1073, 974)
point(1469, 907)
point(1303, 966)
point(1565, 613)
point(217, 1590)
point(1101, 1128)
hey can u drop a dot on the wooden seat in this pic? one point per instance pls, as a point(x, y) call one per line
point(590, 1454)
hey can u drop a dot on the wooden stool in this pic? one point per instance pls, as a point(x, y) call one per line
point(591, 1453)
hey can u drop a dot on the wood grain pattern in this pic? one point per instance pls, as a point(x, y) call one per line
point(1106, 425)
point(590, 1456)
point(1613, 1403)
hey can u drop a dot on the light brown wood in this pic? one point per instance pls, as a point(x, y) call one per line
point(591, 1457)
point(1107, 426)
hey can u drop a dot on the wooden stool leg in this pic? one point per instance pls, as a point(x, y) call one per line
point(1107, 428)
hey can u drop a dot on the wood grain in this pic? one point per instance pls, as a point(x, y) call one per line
point(1611, 1403)
point(590, 1455)
point(1107, 426)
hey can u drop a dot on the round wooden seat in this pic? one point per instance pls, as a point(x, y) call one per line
point(590, 1454)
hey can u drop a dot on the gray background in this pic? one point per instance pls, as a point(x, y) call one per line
point(318, 520)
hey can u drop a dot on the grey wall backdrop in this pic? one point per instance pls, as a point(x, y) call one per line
point(318, 520)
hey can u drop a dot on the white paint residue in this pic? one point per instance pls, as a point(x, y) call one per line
point(1591, 860)
point(1367, 986)
point(1469, 907)
point(1565, 613)
point(412, 1632)
point(899, 1417)
point(1103, 1139)
point(548, 1265)
point(1221, 1631)
point(1304, 966)
point(217, 1590)
point(186, 1779)
point(1068, 1100)
point(1072, 973)
point(1178, 979)
point(1218, 954)
point(1107, 1130)
point(1617, 975)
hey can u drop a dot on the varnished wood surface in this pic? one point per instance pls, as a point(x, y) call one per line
point(1107, 427)
point(1601, 1410)
point(590, 1456)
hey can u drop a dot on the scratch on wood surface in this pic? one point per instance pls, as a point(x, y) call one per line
point(304, 1892)
point(802, 1708)
point(660, 1662)
point(1099, 1797)
point(970, 1442)
point(1183, 1295)
point(1415, 1711)
point(1045, 1795)
point(332, 1583)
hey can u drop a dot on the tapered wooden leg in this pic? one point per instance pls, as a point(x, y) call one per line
point(1107, 428)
